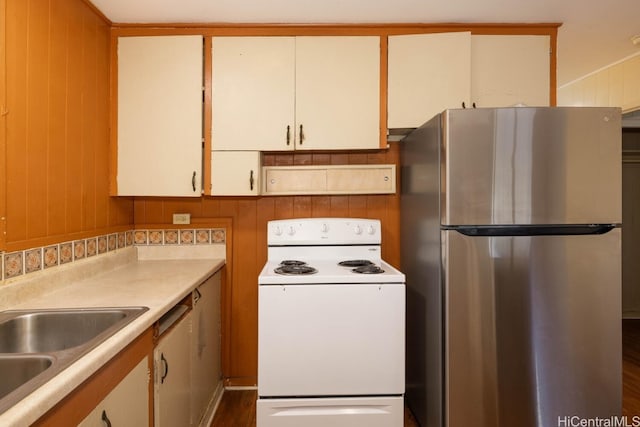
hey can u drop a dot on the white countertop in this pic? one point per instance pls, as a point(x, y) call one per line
point(122, 278)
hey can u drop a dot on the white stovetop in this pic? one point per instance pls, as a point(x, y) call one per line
point(329, 272)
point(322, 243)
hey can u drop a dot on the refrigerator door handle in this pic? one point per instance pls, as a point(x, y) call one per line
point(531, 230)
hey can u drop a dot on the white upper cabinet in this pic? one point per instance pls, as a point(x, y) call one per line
point(337, 93)
point(285, 93)
point(510, 70)
point(253, 91)
point(427, 74)
point(235, 173)
point(159, 135)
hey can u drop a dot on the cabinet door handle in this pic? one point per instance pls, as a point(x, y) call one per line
point(288, 135)
point(301, 135)
point(473, 105)
point(105, 419)
point(197, 296)
point(463, 106)
point(193, 181)
point(165, 364)
point(251, 180)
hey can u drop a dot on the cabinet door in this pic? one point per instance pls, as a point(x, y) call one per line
point(253, 93)
point(337, 92)
point(172, 386)
point(235, 173)
point(127, 405)
point(428, 73)
point(510, 70)
point(159, 116)
point(205, 346)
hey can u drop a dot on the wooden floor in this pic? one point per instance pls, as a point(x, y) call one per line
point(631, 367)
point(238, 407)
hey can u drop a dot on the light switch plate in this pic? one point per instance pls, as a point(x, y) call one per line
point(181, 218)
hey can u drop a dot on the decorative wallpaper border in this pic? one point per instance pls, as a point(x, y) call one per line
point(14, 264)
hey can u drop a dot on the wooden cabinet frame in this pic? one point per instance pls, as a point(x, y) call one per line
point(382, 30)
point(79, 403)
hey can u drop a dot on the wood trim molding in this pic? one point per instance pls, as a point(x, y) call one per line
point(113, 115)
point(553, 65)
point(97, 11)
point(225, 29)
point(384, 79)
point(72, 409)
point(3, 122)
point(206, 150)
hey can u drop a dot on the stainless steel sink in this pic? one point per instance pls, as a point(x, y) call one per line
point(35, 345)
point(16, 370)
point(46, 331)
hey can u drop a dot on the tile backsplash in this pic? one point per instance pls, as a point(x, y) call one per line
point(14, 264)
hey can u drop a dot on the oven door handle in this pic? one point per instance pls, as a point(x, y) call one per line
point(328, 410)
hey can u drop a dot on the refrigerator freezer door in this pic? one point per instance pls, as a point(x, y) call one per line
point(531, 166)
point(532, 329)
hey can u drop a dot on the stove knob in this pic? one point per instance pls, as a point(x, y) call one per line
point(371, 230)
point(291, 231)
point(325, 228)
point(278, 231)
point(358, 230)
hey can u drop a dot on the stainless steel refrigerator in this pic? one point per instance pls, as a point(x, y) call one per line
point(511, 224)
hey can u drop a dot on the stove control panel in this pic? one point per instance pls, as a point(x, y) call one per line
point(324, 231)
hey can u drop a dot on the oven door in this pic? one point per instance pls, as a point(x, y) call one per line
point(331, 340)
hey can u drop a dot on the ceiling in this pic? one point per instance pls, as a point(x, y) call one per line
point(593, 33)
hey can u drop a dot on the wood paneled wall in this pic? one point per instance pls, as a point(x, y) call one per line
point(56, 125)
point(250, 216)
point(3, 119)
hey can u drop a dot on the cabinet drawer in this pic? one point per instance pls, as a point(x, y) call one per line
point(362, 180)
point(295, 180)
point(347, 179)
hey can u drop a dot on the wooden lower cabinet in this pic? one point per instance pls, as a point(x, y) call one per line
point(206, 375)
point(128, 403)
point(187, 360)
point(172, 389)
point(121, 387)
point(184, 360)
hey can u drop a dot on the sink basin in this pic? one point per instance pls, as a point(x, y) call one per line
point(46, 331)
point(17, 370)
point(35, 345)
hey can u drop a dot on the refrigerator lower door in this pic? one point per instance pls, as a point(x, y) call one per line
point(532, 329)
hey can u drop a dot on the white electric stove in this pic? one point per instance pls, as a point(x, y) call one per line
point(331, 327)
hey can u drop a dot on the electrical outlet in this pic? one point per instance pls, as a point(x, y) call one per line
point(181, 218)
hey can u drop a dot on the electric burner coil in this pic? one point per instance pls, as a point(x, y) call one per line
point(368, 269)
point(355, 263)
point(295, 270)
